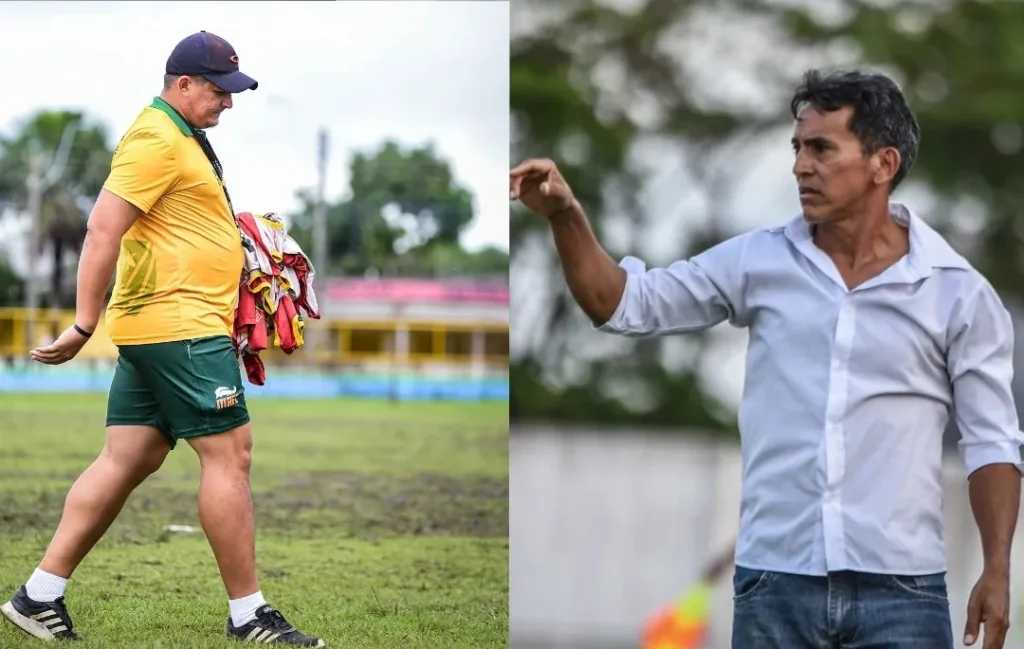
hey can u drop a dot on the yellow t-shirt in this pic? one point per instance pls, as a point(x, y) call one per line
point(180, 263)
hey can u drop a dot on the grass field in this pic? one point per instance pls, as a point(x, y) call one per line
point(379, 525)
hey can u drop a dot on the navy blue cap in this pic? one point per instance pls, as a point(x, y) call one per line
point(210, 56)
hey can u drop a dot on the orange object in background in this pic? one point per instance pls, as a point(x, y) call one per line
point(683, 625)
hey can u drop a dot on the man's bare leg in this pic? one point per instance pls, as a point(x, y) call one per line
point(130, 455)
point(225, 506)
point(225, 510)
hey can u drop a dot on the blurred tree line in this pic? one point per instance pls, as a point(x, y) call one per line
point(64, 205)
point(604, 88)
point(404, 215)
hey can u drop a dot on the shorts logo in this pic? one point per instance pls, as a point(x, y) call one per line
point(226, 397)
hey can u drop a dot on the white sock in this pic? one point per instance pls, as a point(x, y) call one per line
point(243, 609)
point(44, 587)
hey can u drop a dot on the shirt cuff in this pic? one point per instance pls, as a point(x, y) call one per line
point(977, 455)
point(634, 269)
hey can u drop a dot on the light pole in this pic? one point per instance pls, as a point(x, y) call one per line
point(316, 339)
point(321, 250)
point(321, 243)
point(37, 183)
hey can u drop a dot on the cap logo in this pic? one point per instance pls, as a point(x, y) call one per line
point(234, 59)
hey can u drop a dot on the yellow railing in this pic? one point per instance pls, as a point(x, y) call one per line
point(328, 341)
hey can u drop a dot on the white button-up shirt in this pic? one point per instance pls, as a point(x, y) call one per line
point(847, 392)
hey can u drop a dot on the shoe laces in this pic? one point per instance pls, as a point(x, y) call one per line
point(273, 619)
point(62, 612)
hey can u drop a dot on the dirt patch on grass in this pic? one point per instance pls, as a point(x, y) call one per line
point(424, 504)
point(309, 506)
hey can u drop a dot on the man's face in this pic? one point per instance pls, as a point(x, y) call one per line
point(832, 171)
point(203, 101)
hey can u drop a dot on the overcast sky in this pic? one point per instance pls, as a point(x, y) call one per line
point(413, 71)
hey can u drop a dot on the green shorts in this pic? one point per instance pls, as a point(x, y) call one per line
point(186, 388)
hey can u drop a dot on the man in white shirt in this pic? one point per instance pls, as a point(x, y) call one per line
point(866, 330)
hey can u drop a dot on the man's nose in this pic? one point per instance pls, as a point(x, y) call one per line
point(801, 166)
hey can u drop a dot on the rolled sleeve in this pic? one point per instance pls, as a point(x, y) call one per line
point(687, 296)
point(618, 323)
point(981, 371)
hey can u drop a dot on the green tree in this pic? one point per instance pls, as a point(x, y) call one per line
point(12, 287)
point(360, 237)
point(449, 260)
point(66, 203)
point(404, 213)
point(420, 189)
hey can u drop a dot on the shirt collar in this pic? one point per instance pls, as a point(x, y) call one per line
point(175, 116)
point(928, 249)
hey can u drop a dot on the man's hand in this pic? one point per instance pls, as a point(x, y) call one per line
point(538, 185)
point(66, 347)
point(989, 604)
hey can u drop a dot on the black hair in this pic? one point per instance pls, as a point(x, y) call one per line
point(881, 117)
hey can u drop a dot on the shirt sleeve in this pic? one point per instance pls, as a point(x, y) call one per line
point(981, 370)
point(687, 296)
point(143, 169)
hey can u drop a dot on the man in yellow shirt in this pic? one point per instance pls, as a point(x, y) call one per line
point(165, 219)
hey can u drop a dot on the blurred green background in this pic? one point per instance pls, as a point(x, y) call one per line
point(670, 120)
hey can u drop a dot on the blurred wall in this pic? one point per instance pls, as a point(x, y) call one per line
point(607, 526)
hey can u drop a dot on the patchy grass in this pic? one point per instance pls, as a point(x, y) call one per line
point(379, 525)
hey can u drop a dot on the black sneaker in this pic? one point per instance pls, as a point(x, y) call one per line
point(44, 620)
point(270, 626)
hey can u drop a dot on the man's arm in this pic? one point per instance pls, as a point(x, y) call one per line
point(981, 369)
point(995, 499)
point(595, 280)
point(142, 171)
point(719, 565)
point(111, 217)
point(627, 298)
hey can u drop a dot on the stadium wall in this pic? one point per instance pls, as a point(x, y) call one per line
point(607, 526)
point(285, 383)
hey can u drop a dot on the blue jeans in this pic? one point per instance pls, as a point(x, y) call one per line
point(846, 610)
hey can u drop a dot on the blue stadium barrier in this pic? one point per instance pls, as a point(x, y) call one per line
point(282, 384)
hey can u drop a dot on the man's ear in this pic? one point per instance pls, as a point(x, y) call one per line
point(885, 165)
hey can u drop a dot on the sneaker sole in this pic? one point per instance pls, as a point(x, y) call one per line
point(26, 624)
point(319, 643)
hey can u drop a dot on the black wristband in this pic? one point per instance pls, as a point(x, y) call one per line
point(82, 331)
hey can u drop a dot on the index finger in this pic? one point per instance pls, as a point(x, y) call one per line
point(529, 167)
point(995, 636)
point(995, 628)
